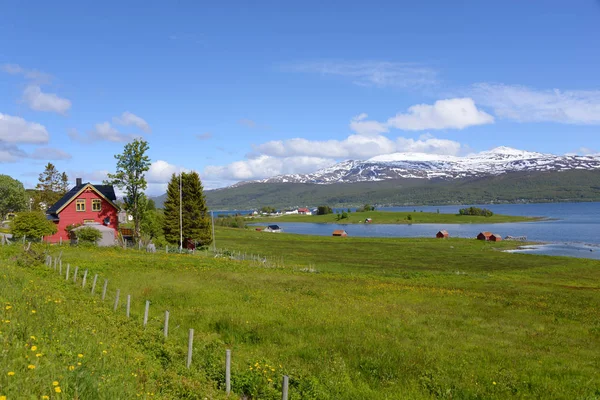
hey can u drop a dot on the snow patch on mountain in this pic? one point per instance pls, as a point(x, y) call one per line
point(436, 166)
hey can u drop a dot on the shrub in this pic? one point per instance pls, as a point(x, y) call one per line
point(69, 229)
point(323, 210)
point(88, 235)
point(365, 208)
point(231, 221)
point(32, 225)
point(484, 212)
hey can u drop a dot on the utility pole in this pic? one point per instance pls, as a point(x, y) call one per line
point(212, 224)
point(180, 214)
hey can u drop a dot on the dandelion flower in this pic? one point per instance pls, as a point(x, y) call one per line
point(80, 355)
point(55, 383)
point(2, 397)
point(33, 348)
point(30, 366)
point(57, 389)
point(33, 311)
point(32, 337)
point(45, 398)
point(11, 373)
point(104, 351)
point(71, 368)
point(8, 307)
point(79, 364)
point(39, 355)
point(494, 383)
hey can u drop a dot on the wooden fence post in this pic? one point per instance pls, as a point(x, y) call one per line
point(190, 347)
point(166, 328)
point(67, 275)
point(128, 305)
point(75, 274)
point(146, 312)
point(60, 267)
point(117, 299)
point(228, 371)
point(84, 279)
point(94, 283)
point(104, 289)
point(285, 387)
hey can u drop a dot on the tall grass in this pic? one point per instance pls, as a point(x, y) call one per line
point(381, 319)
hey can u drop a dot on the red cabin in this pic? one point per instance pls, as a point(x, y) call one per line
point(84, 203)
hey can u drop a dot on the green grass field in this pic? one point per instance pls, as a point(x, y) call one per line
point(389, 217)
point(345, 318)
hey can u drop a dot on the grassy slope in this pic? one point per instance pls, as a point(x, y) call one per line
point(387, 217)
point(507, 188)
point(383, 318)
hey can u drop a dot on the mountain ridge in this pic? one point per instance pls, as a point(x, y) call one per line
point(393, 166)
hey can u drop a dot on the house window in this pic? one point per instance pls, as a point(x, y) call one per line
point(80, 205)
point(96, 205)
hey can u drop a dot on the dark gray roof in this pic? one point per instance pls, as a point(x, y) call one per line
point(107, 191)
point(274, 227)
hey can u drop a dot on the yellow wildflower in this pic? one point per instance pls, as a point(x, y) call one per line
point(71, 368)
point(2, 397)
point(31, 366)
point(8, 307)
point(33, 311)
point(32, 337)
point(57, 389)
point(11, 373)
point(104, 351)
point(494, 383)
point(55, 383)
point(33, 348)
point(45, 398)
point(80, 355)
point(39, 355)
point(79, 364)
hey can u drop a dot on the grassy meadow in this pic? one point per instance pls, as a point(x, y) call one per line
point(393, 217)
point(345, 318)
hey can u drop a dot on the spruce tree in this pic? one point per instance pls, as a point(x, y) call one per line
point(195, 215)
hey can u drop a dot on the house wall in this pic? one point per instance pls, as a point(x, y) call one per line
point(69, 215)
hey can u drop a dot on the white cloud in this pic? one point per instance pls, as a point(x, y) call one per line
point(49, 153)
point(130, 119)
point(10, 153)
point(161, 171)
point(523, 104)
point(372, 73)
point(457, 113)
point(428, 144)
point(265, 166)
point(17, 130)
point(40, 101)
point(360, 125)
point(31, 74)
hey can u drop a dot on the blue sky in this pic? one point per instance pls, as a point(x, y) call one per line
point(240, 91)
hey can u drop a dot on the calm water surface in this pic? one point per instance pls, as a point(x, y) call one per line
point(571, 229)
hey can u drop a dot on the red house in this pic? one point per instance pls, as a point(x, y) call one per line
point(84, 203)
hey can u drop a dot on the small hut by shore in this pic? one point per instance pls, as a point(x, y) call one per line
point(340, 232)
point(442, 235)
point(484, 236)
point(495, 237)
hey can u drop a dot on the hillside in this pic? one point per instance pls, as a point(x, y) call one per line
point(574, 185)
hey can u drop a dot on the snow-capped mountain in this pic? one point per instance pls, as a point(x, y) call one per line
point(429, 166)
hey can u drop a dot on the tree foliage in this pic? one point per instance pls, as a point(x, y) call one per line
point(52, 185)
point(195, 215)
point(323, 210)
point(365, 208)
point(130, 176)
point(88, 235)
point(268, 210)
point(32, 225)
point(12, 196)
point(484, 212)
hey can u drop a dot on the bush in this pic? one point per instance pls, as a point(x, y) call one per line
point(323, 210)
point(484, 212)
point(268, 210)
point(88, 235)
point(231, 221)
point(32, 225)
point(365, 208)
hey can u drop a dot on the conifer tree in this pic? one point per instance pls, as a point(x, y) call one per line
point(195, 215)
point(52, 186)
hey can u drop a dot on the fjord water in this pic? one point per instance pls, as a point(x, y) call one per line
point(570, 229)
